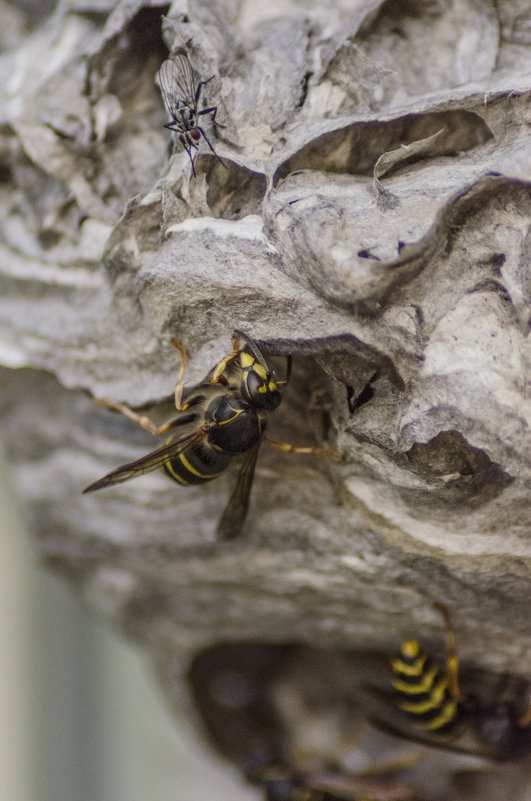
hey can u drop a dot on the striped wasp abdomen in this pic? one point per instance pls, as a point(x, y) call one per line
point(467, 710)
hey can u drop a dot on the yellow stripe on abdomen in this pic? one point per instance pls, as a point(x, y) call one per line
point(422, 689)
point(195, 466)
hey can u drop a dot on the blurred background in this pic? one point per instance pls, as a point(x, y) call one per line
point(82, 718)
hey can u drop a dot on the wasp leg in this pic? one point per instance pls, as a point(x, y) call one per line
point(525, 720)
point(141, 419)
point(452, 662)
point(179, 385)
point(220, 368)
point(284, 446)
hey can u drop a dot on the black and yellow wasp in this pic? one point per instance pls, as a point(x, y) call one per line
point(223, 417)
point(491, 717)
point(181, 96)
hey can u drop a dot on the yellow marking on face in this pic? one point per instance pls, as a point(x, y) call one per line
point(271, 387)
point(260, 370)
point(246, 360)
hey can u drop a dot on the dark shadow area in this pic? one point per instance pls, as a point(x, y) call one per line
point(469, 477)
point(356, 148)
point(258, 703)
point(233, 191)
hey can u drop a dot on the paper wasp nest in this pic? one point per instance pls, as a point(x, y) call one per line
point(371, 218)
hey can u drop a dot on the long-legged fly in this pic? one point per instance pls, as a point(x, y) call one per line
point(181, 95)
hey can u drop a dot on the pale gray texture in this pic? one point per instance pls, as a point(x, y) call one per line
point(406, 273)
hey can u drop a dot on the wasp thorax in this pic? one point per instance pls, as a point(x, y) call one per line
point(237, 427)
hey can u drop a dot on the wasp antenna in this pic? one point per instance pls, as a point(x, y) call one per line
point(257, 353)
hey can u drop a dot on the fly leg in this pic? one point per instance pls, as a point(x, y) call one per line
point(207, 140)
point(199, 89)
point(213, 110)
point(189, 151)
point(176, 127)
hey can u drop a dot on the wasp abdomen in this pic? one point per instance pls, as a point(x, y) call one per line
point(423, 690)
point(196, 465)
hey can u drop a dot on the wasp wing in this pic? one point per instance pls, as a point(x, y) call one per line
point(149, 462)
point(236, 509)
point(177, 82)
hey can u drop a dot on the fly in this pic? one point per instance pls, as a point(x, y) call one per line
point(181, 95)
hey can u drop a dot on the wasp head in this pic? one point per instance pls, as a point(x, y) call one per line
point(257, 385)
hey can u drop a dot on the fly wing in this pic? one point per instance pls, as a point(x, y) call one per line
point(236, 510)
point(149, 462)
point(177, 82)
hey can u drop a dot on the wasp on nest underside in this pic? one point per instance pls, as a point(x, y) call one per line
point(490, 716)
point(223, 417)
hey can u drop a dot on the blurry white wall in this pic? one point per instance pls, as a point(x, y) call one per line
point(80, 718)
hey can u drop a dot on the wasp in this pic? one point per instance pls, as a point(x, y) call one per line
point(181, 96)
point(492, 719)
point(221, 418)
